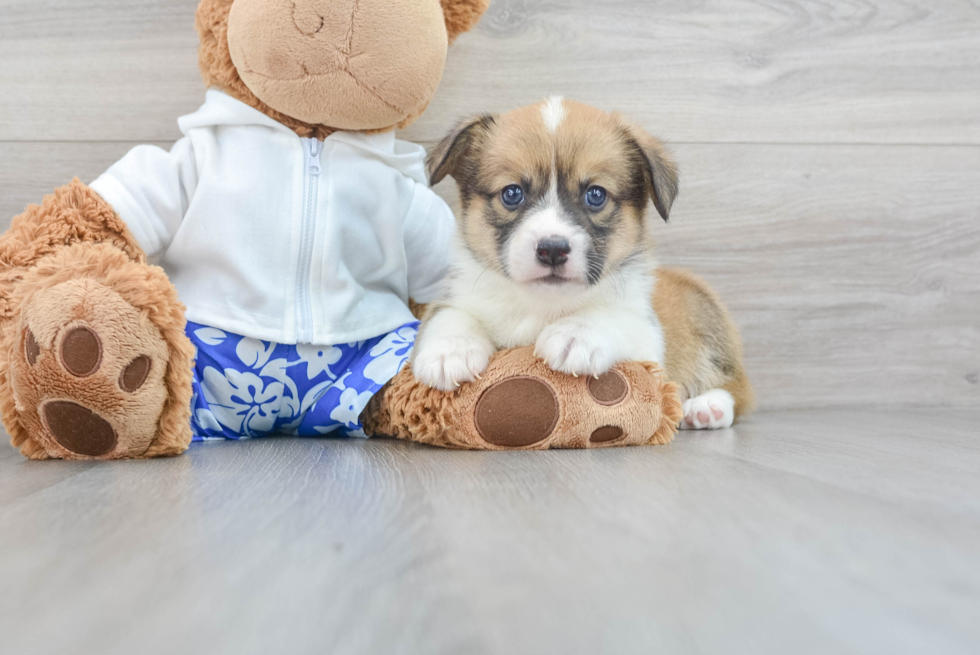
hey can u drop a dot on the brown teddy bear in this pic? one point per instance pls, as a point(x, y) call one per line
point(288, 215)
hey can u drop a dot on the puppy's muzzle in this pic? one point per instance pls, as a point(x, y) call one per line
point(553, 251)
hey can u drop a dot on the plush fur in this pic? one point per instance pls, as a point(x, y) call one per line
point(462, 15)
point(218, 68)
point(135, 312)
point(74, 254)
point(647, 413)
point(72, 214)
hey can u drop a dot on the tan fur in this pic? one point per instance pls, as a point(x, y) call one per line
point(73, 213)
point(462, 15)
point(135, 310)
point(488, 153)
point(589, 144)
point(661, 173)
point(75, 238)
point(219, 70)
point(411, 411)
point(697, 328)
point(588, 139)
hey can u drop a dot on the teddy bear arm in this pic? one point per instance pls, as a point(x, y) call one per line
point(520, 403)
point(75, 247)
point(96, 363)
point(73, 213)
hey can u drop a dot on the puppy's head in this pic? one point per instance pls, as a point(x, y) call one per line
point(557, 193)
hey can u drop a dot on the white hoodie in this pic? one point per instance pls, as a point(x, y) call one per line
point(284, 239)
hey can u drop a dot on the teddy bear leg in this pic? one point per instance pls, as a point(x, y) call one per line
point(521, 404)
point(96, 365)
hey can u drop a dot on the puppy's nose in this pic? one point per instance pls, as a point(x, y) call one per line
point(553, 251)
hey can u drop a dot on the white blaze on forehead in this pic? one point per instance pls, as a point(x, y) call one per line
point(553, 113)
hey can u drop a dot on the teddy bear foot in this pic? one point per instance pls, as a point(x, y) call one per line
point(521, 404)
point(88, 368)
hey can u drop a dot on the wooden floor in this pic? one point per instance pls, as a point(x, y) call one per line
point(830, 157)
point(808, 532)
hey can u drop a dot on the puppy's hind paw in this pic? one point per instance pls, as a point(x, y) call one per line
point(713, 410)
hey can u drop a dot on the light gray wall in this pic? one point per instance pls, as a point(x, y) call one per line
point(830, 153)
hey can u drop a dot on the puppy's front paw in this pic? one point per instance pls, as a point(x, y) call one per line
point(574, 347)
point(446, 363)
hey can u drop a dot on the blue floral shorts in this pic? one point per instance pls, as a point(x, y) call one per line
point(247, 388)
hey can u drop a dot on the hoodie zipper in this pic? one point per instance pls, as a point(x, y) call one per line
point(304, 300)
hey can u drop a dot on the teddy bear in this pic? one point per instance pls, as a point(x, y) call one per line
point(260, 277)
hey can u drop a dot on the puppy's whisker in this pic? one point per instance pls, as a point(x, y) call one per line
point(479, 277)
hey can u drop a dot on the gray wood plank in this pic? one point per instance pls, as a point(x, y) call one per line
point(812, 532)
point(31, 170)
point(853, 271)
point(754, 70)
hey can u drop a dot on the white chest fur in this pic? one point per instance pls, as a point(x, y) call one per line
point(577, 330)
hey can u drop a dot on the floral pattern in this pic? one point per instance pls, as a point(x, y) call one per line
point(390, 355)
point(246, 388)
point(319, 359)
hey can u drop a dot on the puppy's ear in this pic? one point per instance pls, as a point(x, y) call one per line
point(660, 170)
point(462, 15)
point(457, 148)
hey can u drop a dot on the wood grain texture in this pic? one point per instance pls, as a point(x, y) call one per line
point(854, 272)
point(810, 532)
point(855, 71)
point(30, 170)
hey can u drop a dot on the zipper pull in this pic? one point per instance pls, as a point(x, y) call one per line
point(314, 157)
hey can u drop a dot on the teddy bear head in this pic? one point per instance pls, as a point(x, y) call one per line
point(318, 66)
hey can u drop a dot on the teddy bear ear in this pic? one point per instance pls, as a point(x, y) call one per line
point(214, 59)
point(462, 15)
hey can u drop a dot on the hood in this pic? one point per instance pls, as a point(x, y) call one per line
point(221, 110)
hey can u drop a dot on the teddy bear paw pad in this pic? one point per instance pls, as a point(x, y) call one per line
point(31, 348)
point(517, 412)
point(89, 378)
point(78, 429)
point(607, 434)
point(81, 352)
point(609, 389)
point(135, 374)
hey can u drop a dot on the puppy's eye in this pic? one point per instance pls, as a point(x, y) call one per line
point(512, 196)
point(596, 197)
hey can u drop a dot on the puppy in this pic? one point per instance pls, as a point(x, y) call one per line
point(555, 249)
